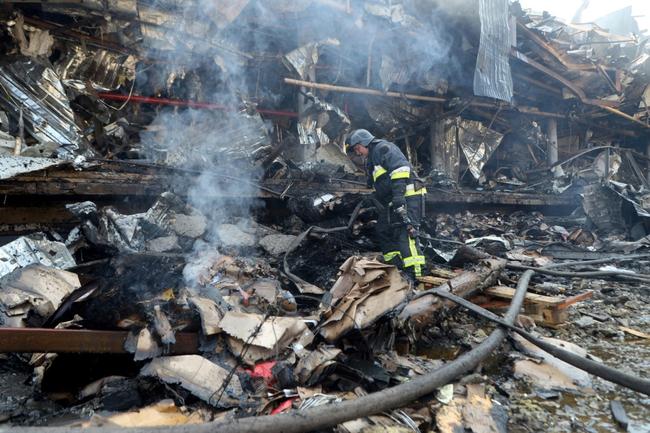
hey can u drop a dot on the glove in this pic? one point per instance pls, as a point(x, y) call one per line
point(403, 215)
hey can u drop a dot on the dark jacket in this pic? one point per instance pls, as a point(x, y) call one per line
point(389, 172)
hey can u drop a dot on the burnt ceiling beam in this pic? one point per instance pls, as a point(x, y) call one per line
point(605, 105)
point(561, 57)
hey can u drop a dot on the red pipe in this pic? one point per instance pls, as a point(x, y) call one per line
point(183, 103)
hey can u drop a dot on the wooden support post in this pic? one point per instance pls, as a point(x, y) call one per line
point(443, 147)
point(647, 152)
point(552, 150)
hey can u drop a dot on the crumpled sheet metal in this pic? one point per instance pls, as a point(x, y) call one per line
point(392, 72)
point(478, 143)
point(11, 166)
point(109, 229)
point(105, 70)
point(446, 158)
point(600, 164)
point(492, 76)
point(26, 251)
point(640, 204)
point(225, 12)
point(303, 58)
point(603, 207)
point(321, 123)
point(241, 136)
point(168, 221)
point(33, 289)
point(393, 113)
point(392, 12)
point(38, 92)
point(178, 28)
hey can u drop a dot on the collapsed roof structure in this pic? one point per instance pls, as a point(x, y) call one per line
point(203, 139)
point(476, 93)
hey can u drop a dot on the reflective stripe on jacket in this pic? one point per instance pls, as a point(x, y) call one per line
point(390, 173)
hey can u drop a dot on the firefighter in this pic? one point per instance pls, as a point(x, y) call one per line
point(400, 196)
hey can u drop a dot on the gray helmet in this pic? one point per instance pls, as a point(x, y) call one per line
point(362, 137)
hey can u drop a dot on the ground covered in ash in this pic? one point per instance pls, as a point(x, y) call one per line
point(616, 305)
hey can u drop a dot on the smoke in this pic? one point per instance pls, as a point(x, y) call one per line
point(204, 62)
point(214, 51)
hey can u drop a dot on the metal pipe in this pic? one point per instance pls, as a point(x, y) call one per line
point(624, 275)
point(374, 92)
point(184, 103)
point(322, 417)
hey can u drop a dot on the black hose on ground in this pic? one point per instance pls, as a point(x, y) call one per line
point(596, 368)
point(321, 417)
point(622, 275)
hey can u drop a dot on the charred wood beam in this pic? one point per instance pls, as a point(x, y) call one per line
point(439, 197)
point(40, 340)
point(625, 116)
point(551, 73)
point(124, 178)
point(422, 310)
point(362, 91)
point(25, 219)
point(605, 105)
point(539, 84)
point(561, 57)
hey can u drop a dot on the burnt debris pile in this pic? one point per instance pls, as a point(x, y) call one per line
point(185, 237)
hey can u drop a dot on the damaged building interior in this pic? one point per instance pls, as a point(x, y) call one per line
point(189, 237)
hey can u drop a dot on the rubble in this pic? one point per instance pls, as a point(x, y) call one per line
point(35, 249)
point(34, 293)
point(185, 237)
point(199, 376)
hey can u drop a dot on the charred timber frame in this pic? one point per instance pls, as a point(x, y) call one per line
point(111, 182)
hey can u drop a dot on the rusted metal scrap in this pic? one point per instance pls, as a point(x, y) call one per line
point(42, 340)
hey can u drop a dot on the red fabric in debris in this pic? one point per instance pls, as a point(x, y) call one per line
point(285, 405)
point(263, 370)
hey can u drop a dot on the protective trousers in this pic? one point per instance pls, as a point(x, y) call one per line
point(398, 247)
